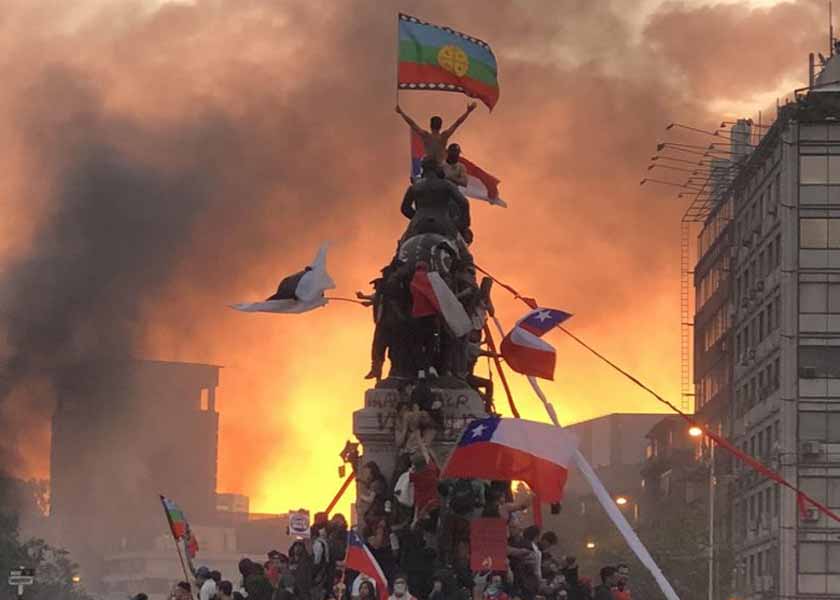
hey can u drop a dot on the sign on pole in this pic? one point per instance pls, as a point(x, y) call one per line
point(299, 523)
point(21, 577)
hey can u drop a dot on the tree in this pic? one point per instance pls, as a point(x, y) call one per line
point(54, 571)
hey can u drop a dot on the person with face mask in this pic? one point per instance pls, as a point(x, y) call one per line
point(495, 588)
point(453, 168)
point(401, 589)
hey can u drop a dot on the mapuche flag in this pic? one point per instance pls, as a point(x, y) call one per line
point(432, 57)
point(522, 348)
point(514, 449)
point(179, 526)
point(481, 185)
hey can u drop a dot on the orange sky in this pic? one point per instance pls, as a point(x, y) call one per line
point(256, 129)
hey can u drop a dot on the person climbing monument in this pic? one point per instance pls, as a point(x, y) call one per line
point(435, 141)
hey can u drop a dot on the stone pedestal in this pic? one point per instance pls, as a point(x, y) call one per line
point(374, 424)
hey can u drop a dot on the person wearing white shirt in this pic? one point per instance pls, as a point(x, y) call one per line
point(206, 585)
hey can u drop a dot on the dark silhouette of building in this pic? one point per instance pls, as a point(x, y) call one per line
point(123, 433)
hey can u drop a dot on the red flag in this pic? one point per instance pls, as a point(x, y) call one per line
point(488, 545)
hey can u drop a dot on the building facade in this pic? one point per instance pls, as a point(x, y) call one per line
point(774, 236)
point(123, 433)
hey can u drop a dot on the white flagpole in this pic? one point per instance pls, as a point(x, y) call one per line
point(604, 497)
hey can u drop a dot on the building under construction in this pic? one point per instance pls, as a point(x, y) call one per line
point(766, 338)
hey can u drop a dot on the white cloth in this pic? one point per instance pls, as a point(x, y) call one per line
point(320, 551)
point(309, 291)
point(609, 505)
point(313, 283)
point(538, 566)
point(404, 489)
point(208, 590)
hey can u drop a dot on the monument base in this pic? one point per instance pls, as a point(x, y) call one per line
point(375, 424)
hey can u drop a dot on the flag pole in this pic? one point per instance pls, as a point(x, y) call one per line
point(187, 578)
point(397, 90)
point(604, 497)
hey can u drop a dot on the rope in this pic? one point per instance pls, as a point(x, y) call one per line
point(721, 441)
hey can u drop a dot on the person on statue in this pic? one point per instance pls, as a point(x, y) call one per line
point(453, 169)
point(435, 141)
point(435, 205)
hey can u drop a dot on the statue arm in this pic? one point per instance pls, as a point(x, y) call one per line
point(407, 208)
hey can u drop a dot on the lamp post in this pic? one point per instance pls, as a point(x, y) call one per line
point(698, 432)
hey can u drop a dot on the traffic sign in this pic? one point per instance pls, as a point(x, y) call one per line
point(21, 580)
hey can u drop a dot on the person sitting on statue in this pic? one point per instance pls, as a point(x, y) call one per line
point(435, 141)
point(435, 205)
point(453, 169)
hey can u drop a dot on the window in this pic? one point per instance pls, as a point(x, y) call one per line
point(777, 249)
point(819, 233)
point(822, 489)
point(813, 170)
point(819, 558)
point(813, 233)
point(819, 361)
point(813, 297)
point(820, 427)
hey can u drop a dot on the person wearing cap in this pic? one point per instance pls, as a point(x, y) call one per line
point(453, 168)
point(205, 583)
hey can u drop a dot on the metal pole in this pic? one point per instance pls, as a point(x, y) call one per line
point(711, 519)
point(20, 592)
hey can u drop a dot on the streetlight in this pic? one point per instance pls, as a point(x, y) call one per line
point(590, 545)
point(76, 579)
point(697, 432)
point(621, 500)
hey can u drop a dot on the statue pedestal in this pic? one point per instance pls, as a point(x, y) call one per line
point(374, 424)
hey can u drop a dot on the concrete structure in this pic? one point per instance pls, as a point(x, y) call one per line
point(767, 349)
point(375, 424)
point(671, 472)
point(615, 446)
point(232, 503)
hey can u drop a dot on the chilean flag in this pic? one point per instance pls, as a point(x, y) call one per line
point(522, 348)
point(360, 559)
point(430, 295)
point(481, 185)
point(514, 449)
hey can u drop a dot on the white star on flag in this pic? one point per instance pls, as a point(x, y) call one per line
point(479, 429)
point(544, 315)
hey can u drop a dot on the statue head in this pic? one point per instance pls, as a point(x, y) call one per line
point(435, 123)
point(430, 167)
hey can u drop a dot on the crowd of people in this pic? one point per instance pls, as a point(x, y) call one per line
point(313, 569)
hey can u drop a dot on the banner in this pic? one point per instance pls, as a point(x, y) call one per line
point(299, 523)
point(488, 545)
